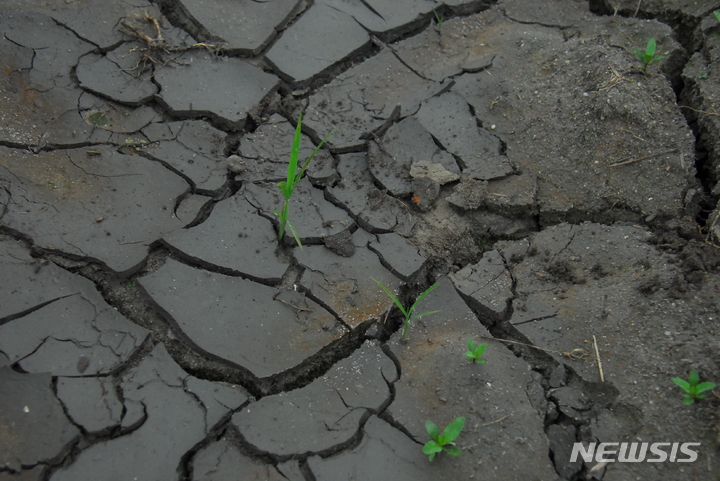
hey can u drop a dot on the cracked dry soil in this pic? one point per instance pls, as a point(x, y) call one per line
point(513, 152)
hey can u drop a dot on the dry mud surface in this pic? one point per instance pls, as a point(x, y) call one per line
point(514, 153)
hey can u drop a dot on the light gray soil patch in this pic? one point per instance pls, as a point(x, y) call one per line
point(324, 414)
point(322, 37)
point(345, 284)
point(312, 216)
point(438, 384)
point(198, 84)
point(245, 28)
point(117, 204)
point(245, 244)
point(269, 334)
point(193, 148)
point(221, 460)
point(173, 410)
point(113, 75)
point(363, 99)
point(71, 336)
point(35, 429)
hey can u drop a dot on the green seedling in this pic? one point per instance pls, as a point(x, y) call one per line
point(445, 441)
point(98, 118)
point(702, 75)
point(693, 387)
point(475, 352)
point(717, 15)
point(438, 19)
point(649, 57)
point(287, 187)
point(407, 312)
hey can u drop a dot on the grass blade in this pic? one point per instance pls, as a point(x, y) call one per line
point(294, 155)
point(317, 149)
point(420, 298)
point(392, 296)
point(420, 315)
point(292, 229)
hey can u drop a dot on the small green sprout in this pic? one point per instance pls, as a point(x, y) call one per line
point(439, 19)
point(407, 312)
point(98, 118)
point(717, 15)
point(702, 74)
point(475, 352)
point(648, 58)
point(287, 187)
point(693, 387)
point(445, 441)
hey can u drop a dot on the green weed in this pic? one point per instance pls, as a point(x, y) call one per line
point(693, 387)
point(438, 19)
point(649, 57)
point(475, 352)
point(407, 312)
point(717, 15)
point(445, 441)
point(702, 75)
point(287, 187)
point(98, 118)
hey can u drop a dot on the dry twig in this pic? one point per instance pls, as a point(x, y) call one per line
point(597, 357)
point(643, 158)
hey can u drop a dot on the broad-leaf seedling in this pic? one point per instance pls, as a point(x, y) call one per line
point(407, 312)
point(649, 57)
point(717, 15)
point(287, 187)
point(693, 387)
point(445, 441)
point(475, 352)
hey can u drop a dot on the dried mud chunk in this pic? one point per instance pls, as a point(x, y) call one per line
point(487, 286)
point(341, 243)
point(425, 193)
point(469, 194)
